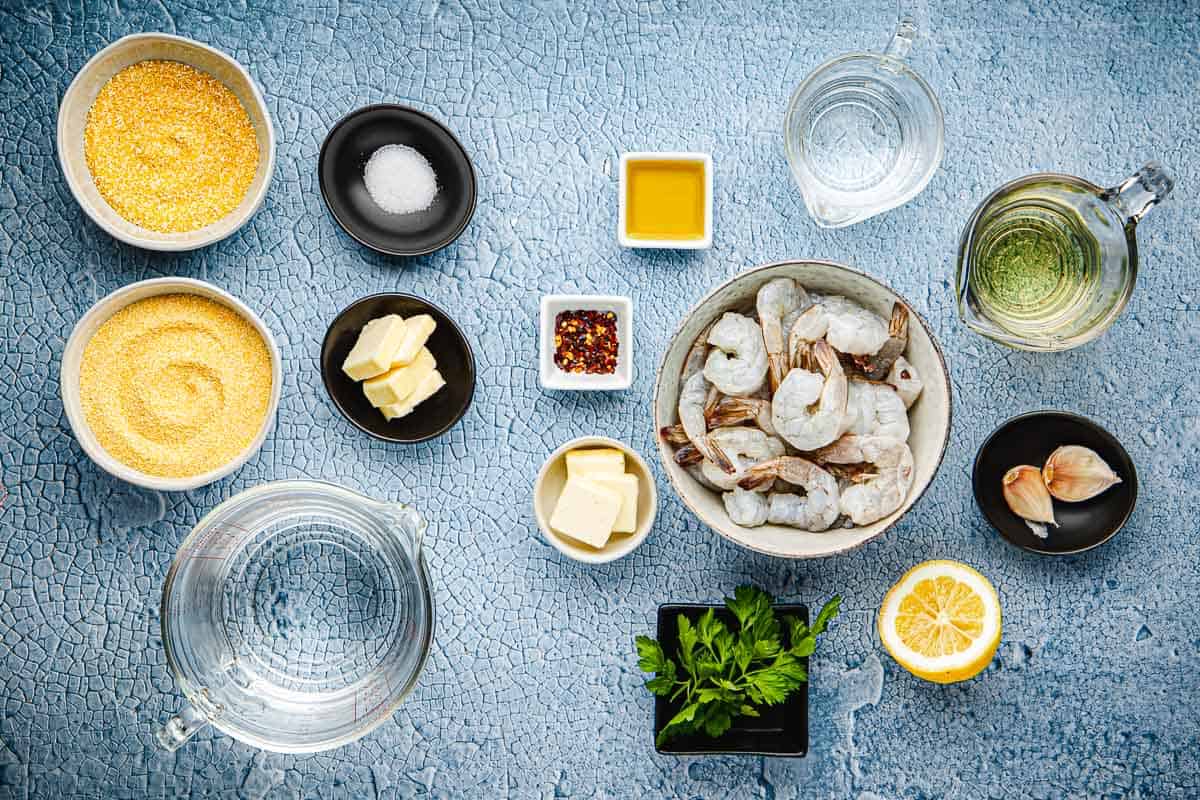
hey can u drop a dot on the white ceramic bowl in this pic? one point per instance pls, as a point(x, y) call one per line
point(72, 119)
point(929, 417)
point(96, 316)
point(702, 243)
point(551, 377)
point(549, 485)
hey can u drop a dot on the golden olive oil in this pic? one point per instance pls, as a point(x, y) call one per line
point(664, 199)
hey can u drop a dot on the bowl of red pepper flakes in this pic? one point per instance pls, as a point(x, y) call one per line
point(586, 342)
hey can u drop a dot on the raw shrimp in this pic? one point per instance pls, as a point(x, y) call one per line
point(809, 326)
point(748, 509)
point(776, 299)
point(738, 365)
point(877, 366)
point(696, 355)
point(875, 409)
point(738, 410)
point(815, 511)
point(875, 496)
point(853, 329)
point(674, 434)
point(698, 475)
point(687, 455)
point(809, 409)
point(907, 381)
point(692, 397)
point(744, 447)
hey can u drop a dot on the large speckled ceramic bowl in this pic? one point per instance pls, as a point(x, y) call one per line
point(929, 417)
point(72, 119)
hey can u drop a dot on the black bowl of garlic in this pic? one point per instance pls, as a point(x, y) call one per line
point(1054, 483)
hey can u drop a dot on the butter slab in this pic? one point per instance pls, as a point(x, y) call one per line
point(426, 389)
point(596, 461)
point(395, 385)
point(417, 331)
point(586, 511)
point(627, 486)
point(375, 349)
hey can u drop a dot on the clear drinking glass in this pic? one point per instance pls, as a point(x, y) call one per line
point(1048, 261)
point(296, 617)
point(864, 134)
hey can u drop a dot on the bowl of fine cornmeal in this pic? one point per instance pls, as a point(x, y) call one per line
point(170, 383)
point(165, 142)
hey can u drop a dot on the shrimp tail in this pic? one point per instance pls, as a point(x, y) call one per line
point(688, 454)
point(730, 411)
point(876, 367)
point(716, 455)
point(674, 434)
point(756, 476)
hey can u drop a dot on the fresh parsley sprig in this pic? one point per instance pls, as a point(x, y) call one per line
point(722, 674)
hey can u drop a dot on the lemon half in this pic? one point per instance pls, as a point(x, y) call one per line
point(941, 621)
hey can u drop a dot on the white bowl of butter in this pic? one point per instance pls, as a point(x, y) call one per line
point(594, 500)
point(146, 399)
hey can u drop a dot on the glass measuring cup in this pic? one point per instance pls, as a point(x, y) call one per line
point(296, 617)
point(1048, 262)
point(864, 133)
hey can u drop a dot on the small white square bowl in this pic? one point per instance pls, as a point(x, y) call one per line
point(549, 374)
point(705, 241)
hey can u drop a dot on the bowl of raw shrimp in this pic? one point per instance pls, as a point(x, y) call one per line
point(802, 408)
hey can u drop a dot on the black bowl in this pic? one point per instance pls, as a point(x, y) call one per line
point(780, 730)
point(1030, 439)
point(448, 345)
point(344, 154)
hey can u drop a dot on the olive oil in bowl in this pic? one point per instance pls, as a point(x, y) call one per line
point(1048, 262)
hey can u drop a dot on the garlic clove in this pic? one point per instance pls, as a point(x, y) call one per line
point(1074, 473)
point(1027, 495)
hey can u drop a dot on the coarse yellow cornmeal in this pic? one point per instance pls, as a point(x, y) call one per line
point(175, 385)
point(169, 146)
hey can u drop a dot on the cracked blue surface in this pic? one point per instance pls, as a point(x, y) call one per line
point(532, 688)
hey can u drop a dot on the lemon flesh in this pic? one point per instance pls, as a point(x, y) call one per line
point(941, 621)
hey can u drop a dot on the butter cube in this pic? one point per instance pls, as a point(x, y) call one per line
point(417, 331)
point(627, 486)
point(428, 386)
point(376, 347)
point(586, 511)
point(398, 383)
point(602, 461)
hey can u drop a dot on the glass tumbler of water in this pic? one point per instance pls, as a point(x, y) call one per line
point(864, 133)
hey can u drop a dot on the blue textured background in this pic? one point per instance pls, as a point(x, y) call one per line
point(532, 689)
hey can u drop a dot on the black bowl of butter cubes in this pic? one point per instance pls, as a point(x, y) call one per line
point(398, 368)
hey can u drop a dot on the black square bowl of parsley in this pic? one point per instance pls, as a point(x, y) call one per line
point(732, 678)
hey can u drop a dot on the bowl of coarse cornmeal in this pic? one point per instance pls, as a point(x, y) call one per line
point(170, 383)
point(166, 143)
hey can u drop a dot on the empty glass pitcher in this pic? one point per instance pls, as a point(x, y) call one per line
point(1048, 261)
point(864, 133)
point(296, 617)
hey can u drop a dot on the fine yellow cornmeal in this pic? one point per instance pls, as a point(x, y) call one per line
point(170, 147)
point(175, 385)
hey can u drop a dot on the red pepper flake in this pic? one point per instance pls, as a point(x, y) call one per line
point(586, 342)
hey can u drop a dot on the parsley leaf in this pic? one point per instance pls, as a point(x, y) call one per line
point(722, 674)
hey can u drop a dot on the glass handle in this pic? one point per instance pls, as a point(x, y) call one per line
point(902, 41)
point(1141, 191)
point(179, 728)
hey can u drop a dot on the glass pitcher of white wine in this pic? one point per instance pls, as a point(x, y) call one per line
point(296, 617)
point(1048, 261)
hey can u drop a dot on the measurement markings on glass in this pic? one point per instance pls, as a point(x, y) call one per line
point(369, 699)
point(219, 541)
